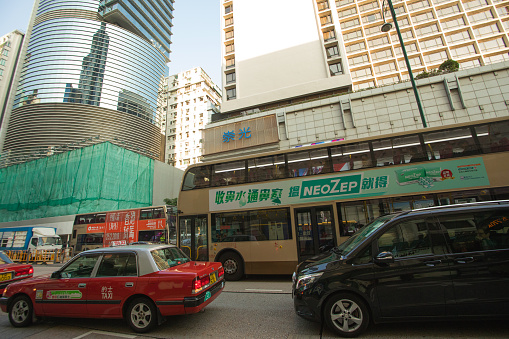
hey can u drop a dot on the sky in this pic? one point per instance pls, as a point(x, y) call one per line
point(196, 39)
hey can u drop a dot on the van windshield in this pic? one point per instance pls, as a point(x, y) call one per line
point(362, 234)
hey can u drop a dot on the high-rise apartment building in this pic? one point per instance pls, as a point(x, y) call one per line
point(187, 101)
point(10, 49)
point(91, 73)
point(303, 47)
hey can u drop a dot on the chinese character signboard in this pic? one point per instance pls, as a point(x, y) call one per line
point(453, 174)
point(121, 227)
point(242, 134)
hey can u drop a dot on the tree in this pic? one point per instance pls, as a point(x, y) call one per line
point(171, 202)
point(449, 66)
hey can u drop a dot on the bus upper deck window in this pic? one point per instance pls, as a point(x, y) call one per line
point(450, 143)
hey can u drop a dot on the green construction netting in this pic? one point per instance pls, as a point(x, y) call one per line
point(97, 178)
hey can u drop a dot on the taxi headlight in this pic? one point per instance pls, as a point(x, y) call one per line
point(304, 282)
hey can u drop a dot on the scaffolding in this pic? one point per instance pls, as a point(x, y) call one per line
point(100, 177)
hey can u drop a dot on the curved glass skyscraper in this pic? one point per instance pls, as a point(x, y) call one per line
point(91, 72)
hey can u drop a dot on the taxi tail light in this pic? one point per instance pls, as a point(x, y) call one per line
point(25, 272)
point(220, 272)
point(199, 284)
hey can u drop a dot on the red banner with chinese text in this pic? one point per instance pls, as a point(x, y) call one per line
point(121, 227)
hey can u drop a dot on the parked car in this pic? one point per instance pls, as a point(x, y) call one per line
point(446, 262)
point(140, 283)
point(11, 272)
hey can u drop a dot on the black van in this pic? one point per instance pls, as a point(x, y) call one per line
point(446, 262)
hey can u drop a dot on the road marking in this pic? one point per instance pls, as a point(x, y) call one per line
point(106, 333)
point(261, 290)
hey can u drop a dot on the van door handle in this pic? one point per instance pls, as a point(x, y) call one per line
point(432, 263)
point(464, 260)
point(129, 284)
point(81, 285)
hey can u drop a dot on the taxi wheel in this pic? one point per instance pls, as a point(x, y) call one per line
point(141, 315)
point(233, 267)
point(347, 315)
point(21, 310)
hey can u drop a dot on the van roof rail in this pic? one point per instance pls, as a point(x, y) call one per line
point(477, 203)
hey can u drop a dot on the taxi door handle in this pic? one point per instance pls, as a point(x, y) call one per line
point(80, 285)
point(129, 284)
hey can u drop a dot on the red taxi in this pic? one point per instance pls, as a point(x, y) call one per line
point(11, 272)
point(140, 283)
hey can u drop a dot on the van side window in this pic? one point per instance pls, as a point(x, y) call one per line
point(364, 257)
point(479, 231)
point(407, 238)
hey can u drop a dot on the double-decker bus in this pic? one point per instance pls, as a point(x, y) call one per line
point(263, 214)
point(156, 224)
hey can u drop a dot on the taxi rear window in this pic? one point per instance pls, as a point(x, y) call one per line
point(169, 257)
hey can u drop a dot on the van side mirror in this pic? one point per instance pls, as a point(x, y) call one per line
point(384, 258)
point(55, 275)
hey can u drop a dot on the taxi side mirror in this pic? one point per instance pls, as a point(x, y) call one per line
point(55, 275)
point(384, 258)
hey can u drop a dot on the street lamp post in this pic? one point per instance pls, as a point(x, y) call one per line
point(385, 28)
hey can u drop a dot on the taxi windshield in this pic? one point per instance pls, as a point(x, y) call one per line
point(362, 234)
point(169, 257)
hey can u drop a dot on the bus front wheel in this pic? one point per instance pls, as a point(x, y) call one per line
point(233, 266)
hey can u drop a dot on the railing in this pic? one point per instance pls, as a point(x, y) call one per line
point(41, 256)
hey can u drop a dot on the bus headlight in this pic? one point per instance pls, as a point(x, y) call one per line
point(304, 282)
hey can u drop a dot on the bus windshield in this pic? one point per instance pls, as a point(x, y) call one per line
point(361, 234)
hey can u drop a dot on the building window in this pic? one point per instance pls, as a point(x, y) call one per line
point(381, 55)
point(332, 51)
point(448, 11)
point(322, 4)
point(486, 30)
point(329, 35)
point(229, 34)
point(355, 47)
point(230, 77)
point(418, 5)
point(361, 59)
point(231, 93)
point(2, 62)
point(335, 69)
point(385, 68)
point(230, 48)
point(490, 45)
point(228, 21)
point(326, 20)
point(481, 16)
point(436, 58)
point(462, 51)
point(431, 43)
point(348, 24)
point(347, 12)
point(377, 42)
point(228, 9)
point(362, 73)
point(368, 6)
point(230, 63)
point(5, 52)
point(353, 35)
point(454, 23)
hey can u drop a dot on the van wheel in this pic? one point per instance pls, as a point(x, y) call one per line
point(233, 267)
point(141, 315)
point(347, 315)
point(21, 311)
